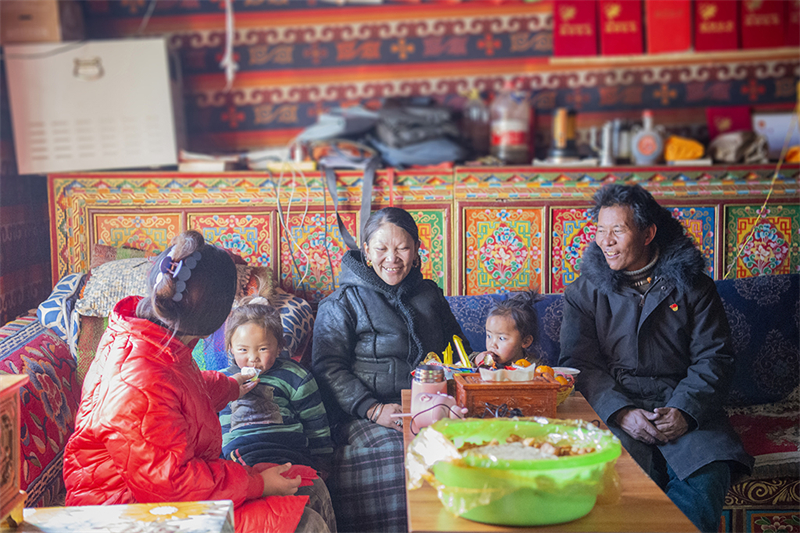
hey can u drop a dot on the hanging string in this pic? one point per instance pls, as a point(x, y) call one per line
point(763, 211)
point(228, 62)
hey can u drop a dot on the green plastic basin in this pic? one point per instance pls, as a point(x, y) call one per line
point(527, 492)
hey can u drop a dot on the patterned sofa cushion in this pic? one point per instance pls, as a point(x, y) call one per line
point(771, 434)
point(111, 282)
point(298, 324)
point(58, 311)
point(764, 315)
point(49, 404)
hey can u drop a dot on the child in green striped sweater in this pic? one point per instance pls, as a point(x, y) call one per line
point(281, 420)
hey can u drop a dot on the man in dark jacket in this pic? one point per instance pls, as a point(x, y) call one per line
point(645, 326)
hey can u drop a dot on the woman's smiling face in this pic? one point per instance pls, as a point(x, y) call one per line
point(392, 252)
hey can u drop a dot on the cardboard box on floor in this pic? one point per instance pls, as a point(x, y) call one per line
point(42, 21)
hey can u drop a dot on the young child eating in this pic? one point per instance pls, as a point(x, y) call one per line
point(282, 419)
point(511, 330)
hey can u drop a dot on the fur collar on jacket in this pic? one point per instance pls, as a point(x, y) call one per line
point(679, 261)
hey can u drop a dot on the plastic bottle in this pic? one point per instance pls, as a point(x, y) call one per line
point(428, 389)
point(428, 379)
point(511, 121)
point(477, 123)
point(647, 145)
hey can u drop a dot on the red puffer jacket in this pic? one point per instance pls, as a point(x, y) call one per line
point(147, 430)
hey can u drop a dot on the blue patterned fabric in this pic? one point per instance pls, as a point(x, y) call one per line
point(56, 312)
point(764, 315)
point(298, 324)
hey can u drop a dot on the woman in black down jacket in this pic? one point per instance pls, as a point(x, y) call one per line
point(368, 337)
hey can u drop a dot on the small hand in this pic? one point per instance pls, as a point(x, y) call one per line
point(671, 422)
point(637, 424)
point(245, 383)
point(277, 485)
point(385, 417)
point(486, 358)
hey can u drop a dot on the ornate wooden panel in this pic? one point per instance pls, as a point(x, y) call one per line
point(762, 240)
point(311, 251)
point(251, 235)
point(503, 249)
point(572, 231)
point(701, 225)
point(483, 229)
point(150, 231)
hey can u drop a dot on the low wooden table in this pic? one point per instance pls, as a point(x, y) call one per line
point(643, 506)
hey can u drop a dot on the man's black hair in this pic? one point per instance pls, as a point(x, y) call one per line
point(646, 211)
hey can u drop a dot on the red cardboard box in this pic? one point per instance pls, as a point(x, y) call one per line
point(716, 25)
point(620, 27)
point(727, 119)
point(669, 25)
point(763, 23)
point(793, 23)
point(574, 28)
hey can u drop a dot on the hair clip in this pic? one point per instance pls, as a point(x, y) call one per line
point(180, 271)
point(259, 300)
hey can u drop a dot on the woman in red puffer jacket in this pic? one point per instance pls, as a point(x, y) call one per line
point(147, 427)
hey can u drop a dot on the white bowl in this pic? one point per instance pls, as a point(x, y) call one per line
point(519, 374)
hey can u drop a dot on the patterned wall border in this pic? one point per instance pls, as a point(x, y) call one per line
point(481, 183)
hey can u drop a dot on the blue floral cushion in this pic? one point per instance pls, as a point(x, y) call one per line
point(56, 312)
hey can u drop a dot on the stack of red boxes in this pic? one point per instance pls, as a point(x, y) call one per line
point(622, 26)
point(574, 28)
point(716, 25)
point(763, 23)
point(669, 26)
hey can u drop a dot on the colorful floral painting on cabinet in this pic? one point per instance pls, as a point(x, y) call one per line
point(503, 249)
point(311, 253)
point(761, 240)
point(700, 223)
point(151, 232)
point(245, 234)
point(433, 245)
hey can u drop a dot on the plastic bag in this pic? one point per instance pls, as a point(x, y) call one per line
point(533, 491)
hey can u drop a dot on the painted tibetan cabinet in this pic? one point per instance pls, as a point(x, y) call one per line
point(483, 230)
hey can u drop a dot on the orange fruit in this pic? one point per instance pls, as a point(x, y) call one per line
point(544, 369)
point(562, 380)
point(523, 363)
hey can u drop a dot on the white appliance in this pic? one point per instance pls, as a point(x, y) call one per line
point(91, 105)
